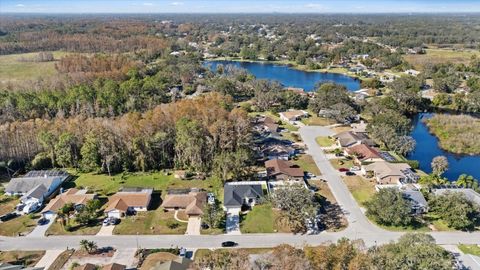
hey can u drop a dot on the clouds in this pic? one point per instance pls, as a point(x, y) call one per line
point(177, 3)
point(20, 5)
point(148, 4)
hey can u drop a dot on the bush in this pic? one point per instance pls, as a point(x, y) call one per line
point(172, 224)
point(41, 161)
point(414, 164)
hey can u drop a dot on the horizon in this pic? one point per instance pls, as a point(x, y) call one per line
point(238, 7)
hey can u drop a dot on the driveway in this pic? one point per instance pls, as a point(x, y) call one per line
point(106, 230)
point(233, 221)
point(193, 227)
point(40, 230)
point(49, 258)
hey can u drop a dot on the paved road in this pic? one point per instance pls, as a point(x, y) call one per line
point(359, 226)
point(466, 260)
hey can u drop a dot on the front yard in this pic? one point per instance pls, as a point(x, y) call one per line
point(332, 216)
point(76, 229)
point(7, 204)
point(151, 222)
point(342, 163)
point(324, 141)
point(262, 219)
point(21, 225)
point(25, 258)
point(361, 189)
point(307, 164)
point(317, 121)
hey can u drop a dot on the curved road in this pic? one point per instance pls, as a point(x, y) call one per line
point(359, 226)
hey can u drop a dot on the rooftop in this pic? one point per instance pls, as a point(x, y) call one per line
point(234, 194)
point(278, 166)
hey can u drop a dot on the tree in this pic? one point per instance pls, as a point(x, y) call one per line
point(89, 152)
point(88, 213)
point(412, 251)
point(224, 259)
point(432, 180)
point(190, 146)
point(213, 214)
point(297, 205)
point(406, 91)
point(66, 150)
point(456, 210)
point(332, 97)
point(232, 164)
point(88, 246)
point(439, 165)
point(465, 180)
point(389, 207)
point(47, 140)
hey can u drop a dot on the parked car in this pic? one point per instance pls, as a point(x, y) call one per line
point(343, 170)
point(110, 221)
point(31, 207)
point(355, 168)
point(20, 206)
point(229, 244)
point(350, 173)
point(42, 221)
point(211, 198)
point(8, 216)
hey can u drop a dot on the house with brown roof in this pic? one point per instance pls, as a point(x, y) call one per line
point(394, 174)
point(293, 115)
point(349, 138)
point(111, 266)
point(191, 201)
point(128, 200)
point(87, 266)
point(78, 198)
point(363, 153)
point(282, 170)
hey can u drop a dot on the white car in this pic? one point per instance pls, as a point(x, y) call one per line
point(31, 207)
point(211, 198)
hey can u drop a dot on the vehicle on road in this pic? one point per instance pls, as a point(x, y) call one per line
point(229, 244)
point(349, 173)
point(343, 170)
point(8, 216)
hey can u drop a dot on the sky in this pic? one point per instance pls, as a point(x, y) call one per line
point(239, 6)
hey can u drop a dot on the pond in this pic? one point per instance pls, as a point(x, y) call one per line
point(288, 76)
point(427, 148)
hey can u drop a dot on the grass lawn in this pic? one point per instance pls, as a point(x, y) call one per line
point(317, 121)
point(361, 189)
point(436, 56)
point(470, 249)
point(438, 223)
point(7, 204)
point(291, 136)
point(151, 222)
point(341, 129)
point(332, 216)
point(416, 227)
point(57, 229)
point(61, 260)
point(25, 258)
point(261, 219)
point(20, 225)
point(324, 141)
point(201, 253)
point(107, 185)
point(157, 257)
point(342, 163)
point(307, 164)
point(13, 70)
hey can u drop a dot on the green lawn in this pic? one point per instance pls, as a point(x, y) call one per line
point(107, 185)
point(25, 258)
point(324, 141)
point(342, 163)
point(437, 56)
point(261, 219)
point(470, 249)
point(14, 70)
point(362, 190)
point(417, 227)
point(201, 253)
point(57, 229)
point(20, 225)
point(317, 121)
point(7, 204)
point(307, 164)
point(151, 222)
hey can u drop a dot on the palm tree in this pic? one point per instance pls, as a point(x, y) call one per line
point(465, 180)
point(88, 246)
point(84, 244)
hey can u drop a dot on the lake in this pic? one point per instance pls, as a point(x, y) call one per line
point(427, 148)
point(288, 76)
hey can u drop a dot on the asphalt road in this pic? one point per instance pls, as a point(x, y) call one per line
point(359, 226)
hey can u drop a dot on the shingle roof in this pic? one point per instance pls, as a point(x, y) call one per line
point(364, 151)
point(293, 114)
point(25, 184)
point(87, 266)
point(234, 194)
point(192, 202)
point(348, 138)
point(178, 264)
point(72, 195)
point(37, 192)
point(471, 194)
point(415, 196)
point(384, 169)
point(278, 166)
point(123, 200)
point(114, 266)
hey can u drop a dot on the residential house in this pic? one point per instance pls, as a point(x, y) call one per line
point(241, 194)
point(87, 266)
point(191, 201)
point(181, 263)
point(417, 201)
point(78, 198)
point(363, 153)
point(349, 138)
point(111, 266)
point(469, 193)
point(114, 266)
point(36, 186)
point(128, 200)
point(412, 72)
point(272, 147)
point(267, 124)
point(392, 174)
point(282, 170)
point(293, 115)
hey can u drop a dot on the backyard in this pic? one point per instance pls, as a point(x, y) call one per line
point(7, 204)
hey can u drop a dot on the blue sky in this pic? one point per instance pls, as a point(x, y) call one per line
point(238, 6)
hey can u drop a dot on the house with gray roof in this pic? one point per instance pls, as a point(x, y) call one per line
point(417, 201)
point(469, 193)
point(242, 194)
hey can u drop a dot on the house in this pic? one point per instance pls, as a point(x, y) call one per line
point(78, 198)
point(418, 203)
point(267, 124)
point(349, 138)
point(412, 72)
point(363, 153)
point(278, 151)
point(191, 201)
point(293, 115)
point(128, 200)
point(87, 266)
point(241, 194)
point(469, 193)
point(181, 263)
point(282, 170)
point(36, 186)
point(395, 174)
point(114, 266)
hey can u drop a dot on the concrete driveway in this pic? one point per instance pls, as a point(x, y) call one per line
point(49, 257)
point(194, 225)
point(40, 230)
point(233, 221)
point(106, 230)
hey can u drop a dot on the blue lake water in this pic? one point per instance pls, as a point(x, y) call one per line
point(289, 76)
point(427, 148)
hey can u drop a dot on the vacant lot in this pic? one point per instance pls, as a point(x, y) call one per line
point(7, 204)
point(361, 189)
point(307, 164)
point(342, 163)
point(317, 121)
point(20, 225)
point(436, 56)
point(12, 69)
point(260, 220)
point(151, 222)
point(58, 229)
point(324, 141)
point(157, 258)
point(25, 258)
